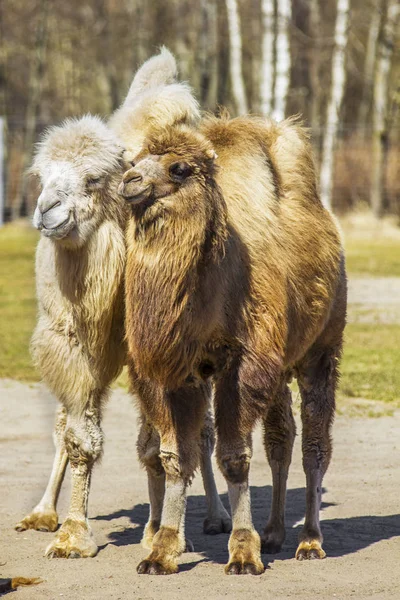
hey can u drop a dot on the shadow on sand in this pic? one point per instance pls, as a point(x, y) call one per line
point(341, 536)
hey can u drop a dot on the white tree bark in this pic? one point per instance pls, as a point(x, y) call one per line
point(282, 58)
point(235, 47)
point(380, 104)
point(369, 64)
point(315, 65)
point(267, 83)
point(335, 102)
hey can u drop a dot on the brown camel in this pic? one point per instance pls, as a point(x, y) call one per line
point(235, 279)
point(78, 344)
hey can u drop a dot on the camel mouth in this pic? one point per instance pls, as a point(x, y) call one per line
point(134, 196)
point(61, 230)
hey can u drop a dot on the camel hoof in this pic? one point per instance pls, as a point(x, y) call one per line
point(74, 540)
point(217, 526)
point(189, 545)
point(153, 567)
point(270, 547)
point(247, 568)
point(40, 521)
point(272, 539)
point(310, 551)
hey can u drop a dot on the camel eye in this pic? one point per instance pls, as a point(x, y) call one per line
point(180, 171)
point(93, 181)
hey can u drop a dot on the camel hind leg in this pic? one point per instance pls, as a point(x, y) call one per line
point(279, 434)
point(218, 519)
point(317, 381)
point(44, 516)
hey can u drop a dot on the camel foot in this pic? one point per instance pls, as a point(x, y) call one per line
point(156, 567)
point(40, 521)
point(218, 525)
point(74, 540)
point(310, 550)
point(272, 540)
point(244, 553)
point(237, 568)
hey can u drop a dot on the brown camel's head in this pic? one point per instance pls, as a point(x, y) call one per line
point(79, 165)
point(177, 158)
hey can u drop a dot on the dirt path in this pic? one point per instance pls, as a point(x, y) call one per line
point(374, 300)
point(361, 520)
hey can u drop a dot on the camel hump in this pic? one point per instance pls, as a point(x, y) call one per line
point(158, 70)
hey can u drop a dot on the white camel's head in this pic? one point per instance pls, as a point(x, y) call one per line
point(79, 164)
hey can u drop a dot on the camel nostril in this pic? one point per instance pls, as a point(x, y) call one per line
point(132, 176)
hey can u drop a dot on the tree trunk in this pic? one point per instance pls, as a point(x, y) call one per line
point(380, 105)
point(235, 46)
point(267, 83)
point(335, 102)
point(282, 81)
point(208, 55)
point(19, 206)
point(369, 66)
point(315, 66)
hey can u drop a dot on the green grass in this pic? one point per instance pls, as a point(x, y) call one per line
point(371, 257)
point(372, 352)
point(17, 301)
point(370, 365)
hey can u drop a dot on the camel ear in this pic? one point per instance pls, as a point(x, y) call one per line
point(32, 171)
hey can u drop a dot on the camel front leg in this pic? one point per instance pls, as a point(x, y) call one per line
point(235, 422)
point(44, 516)
point(218, 520)
point(83, 442)
point(178, 423)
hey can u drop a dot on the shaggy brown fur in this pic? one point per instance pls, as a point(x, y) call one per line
point(234, 270)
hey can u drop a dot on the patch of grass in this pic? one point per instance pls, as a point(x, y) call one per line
point(374, 257)
point(17, 300)
point(372, 246)
point(370, 365)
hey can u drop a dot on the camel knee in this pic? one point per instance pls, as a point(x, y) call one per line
point(208, 434)
point(235, 466)
point(83, 441)
point(150, 459)
point(179, 467)
point(148, 449)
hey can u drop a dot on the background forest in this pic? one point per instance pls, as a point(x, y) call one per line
point(335, 62)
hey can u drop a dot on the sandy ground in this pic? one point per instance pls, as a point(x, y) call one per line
point(360, 513)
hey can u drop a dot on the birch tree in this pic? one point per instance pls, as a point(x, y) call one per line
point(315, 62)
point(267, 83)
point(380, 104)
point(369, 64)
point(208, 53)
point(34, 94)
point(335, 102)
point(235, 58)
point(282, 78)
